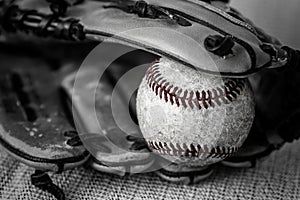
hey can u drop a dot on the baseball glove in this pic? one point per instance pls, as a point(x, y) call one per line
point(35, 127)
point(54, 119)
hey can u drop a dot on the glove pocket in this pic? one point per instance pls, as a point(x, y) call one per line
point(34, 128)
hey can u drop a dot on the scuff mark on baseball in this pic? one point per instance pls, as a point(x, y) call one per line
point(191, 118)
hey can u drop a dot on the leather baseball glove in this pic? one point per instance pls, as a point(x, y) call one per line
point(50, 116)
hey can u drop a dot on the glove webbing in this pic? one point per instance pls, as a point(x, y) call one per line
point(16, 19)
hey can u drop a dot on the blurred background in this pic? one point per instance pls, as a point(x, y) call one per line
point(277, 17)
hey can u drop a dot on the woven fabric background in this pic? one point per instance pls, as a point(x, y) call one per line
point(276, 177)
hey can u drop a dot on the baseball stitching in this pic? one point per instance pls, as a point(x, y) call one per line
point(192, 99)
point(191, 151)
point(195, 100)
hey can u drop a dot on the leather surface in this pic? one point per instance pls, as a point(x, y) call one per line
point(167, 38)
point(33, 122)
point(95, 115)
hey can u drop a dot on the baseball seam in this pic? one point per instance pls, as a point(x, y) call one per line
point(192, 99)
point(191, 151)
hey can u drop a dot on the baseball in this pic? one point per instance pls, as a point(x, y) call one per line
point(192, 118)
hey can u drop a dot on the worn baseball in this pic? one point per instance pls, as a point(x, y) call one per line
point(192, 118)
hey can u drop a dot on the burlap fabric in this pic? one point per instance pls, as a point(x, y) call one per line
point(276, 177)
